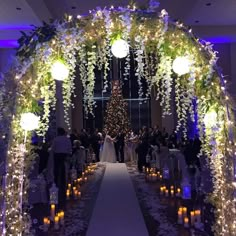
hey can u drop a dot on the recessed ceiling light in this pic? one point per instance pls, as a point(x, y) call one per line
point(196, 21)
point(208, 4)
point(18, 8)
point(73, 7)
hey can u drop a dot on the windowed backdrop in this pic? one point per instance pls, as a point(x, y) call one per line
point(139, 110)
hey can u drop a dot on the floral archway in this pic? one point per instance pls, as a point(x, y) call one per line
point(167, 55)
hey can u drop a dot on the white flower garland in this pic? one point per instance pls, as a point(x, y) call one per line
point(139, 58)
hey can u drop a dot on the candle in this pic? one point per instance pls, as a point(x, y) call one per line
point(180, 217)
point(52, 211)
point(172, 192)
point(172, 187)
point(74, 189)
point(62, 215)
point(198, 216)
point(185, 211)
point(56, 222)
point(167, 192)
point(45, 224)
point(186, 222)
point(160, 176)
point(178, 192)
point(79, 194)
point(161, 190)
point(69, 186)
point(85, 179)
point(67, 194)
point(75, 194)
point(192, 216)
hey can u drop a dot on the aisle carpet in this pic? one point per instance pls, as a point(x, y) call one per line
point(117, 212)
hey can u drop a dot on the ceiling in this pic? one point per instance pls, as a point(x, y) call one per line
point(214, 20)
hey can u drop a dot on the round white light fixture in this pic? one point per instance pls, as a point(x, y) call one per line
point(120, 48)
point(29, 121)
point(181, 65)
point(210, 119)
point(59, 70)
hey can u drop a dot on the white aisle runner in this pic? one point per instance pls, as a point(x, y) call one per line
point(117, 212)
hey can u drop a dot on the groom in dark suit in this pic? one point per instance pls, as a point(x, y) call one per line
point(119, 146)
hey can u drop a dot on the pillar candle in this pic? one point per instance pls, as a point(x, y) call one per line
point(180, 217)
point(67, 194)
point(192, 215)
point(198, 216)
point(53, 211)
point(167, 192)
point(56, 222)
point(178, 192)
point(62, 217)
point(172, 192)
point(75, 194)
point(185, 211)
point(79, 194)
point(45, 224)
point(69, 186)
point(85, 179)
point(186, 222)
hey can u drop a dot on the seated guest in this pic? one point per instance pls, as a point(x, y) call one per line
point(61, 148)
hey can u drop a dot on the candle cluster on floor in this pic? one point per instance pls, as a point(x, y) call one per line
point(172, 191)
point(172, 187)
point(152, 175)
point(73, 191)
point(193, 219)
point(56, 219)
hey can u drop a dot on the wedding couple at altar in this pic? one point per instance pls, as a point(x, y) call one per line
point(113, 148)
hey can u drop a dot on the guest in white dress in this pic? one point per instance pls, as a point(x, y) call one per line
point(108, 151)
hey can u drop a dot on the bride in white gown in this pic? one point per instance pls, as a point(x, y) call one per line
point(108, 151)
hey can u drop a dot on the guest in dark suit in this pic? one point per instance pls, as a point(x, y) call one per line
point(119, 146)
point(95, 140)
point(142, 149)
point(61, 148)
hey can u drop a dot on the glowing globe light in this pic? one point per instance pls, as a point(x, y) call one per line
point(181, 65)
point(120, 48)
point(210, 119)
point(59, 71)
point(29, 121)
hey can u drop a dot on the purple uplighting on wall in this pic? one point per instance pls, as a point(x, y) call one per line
point(221, 39)
point(8, 44)
point(15, 27)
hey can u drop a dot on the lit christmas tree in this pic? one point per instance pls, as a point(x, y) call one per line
point(116, 117)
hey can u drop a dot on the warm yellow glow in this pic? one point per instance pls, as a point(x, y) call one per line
point(120, 48)
point(210, 119)
point(181, 65)
point(29, 121)
point(59, 71)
